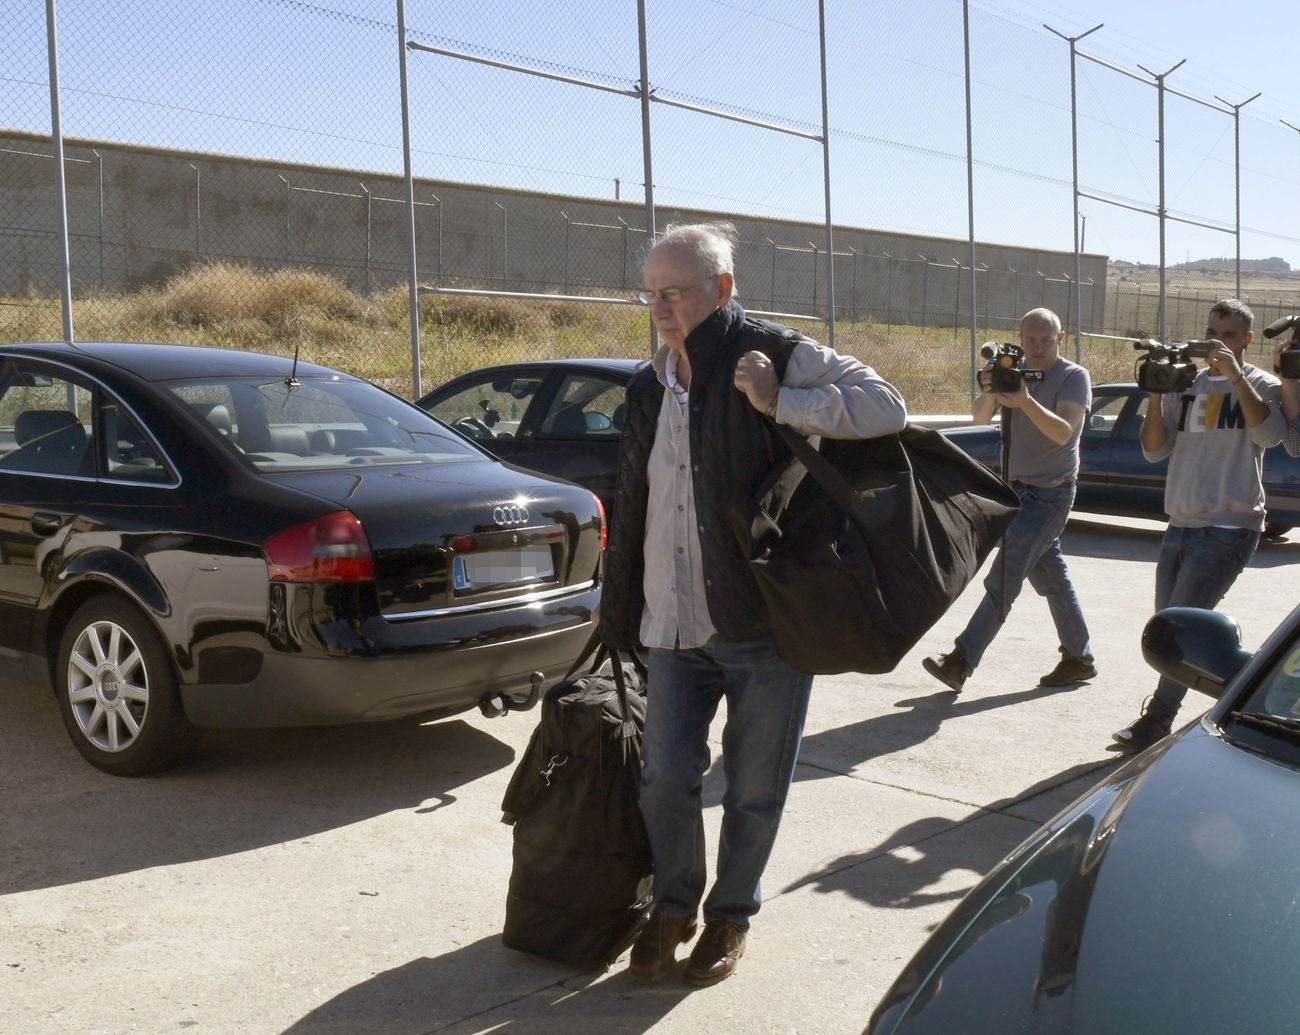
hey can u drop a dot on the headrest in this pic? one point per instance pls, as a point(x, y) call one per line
point(569, 422)
point(215, 414)
point(33, 424)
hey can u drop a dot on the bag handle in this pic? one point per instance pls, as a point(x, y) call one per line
point(835, 484)
point(595, 645)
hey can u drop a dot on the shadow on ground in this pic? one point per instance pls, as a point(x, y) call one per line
point(243, 790)
point(485, 986)
point(915, 859)
point(837, 751)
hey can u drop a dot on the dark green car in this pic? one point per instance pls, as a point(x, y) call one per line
point(1166, 899)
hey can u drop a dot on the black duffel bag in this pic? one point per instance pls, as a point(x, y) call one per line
point(873, 547)
point(580, 885)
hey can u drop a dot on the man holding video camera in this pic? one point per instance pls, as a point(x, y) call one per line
point(1214, 433)
point(1044, 407)
point(1286, 365)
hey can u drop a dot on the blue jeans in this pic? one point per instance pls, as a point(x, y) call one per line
point(1197, 567)
point(1032, 551)
point(766, 704)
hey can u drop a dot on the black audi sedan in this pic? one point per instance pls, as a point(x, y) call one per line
point(200, 537)
point(562, 417)
point(1167, 898)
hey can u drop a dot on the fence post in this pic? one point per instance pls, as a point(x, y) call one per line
point(925, 285)
point(287, 189)
point(437, 270)
point(771, 294)
point(856, 313)
point(505, 243)
point(565, 216)
point(816, 255)
point(100, 159)
point(366, 192)
point(198, 206)
point(956, 302)
point(622, 280)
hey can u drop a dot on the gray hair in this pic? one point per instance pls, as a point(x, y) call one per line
point(1233, 307)
point(712, 244)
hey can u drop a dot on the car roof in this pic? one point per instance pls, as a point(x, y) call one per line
point(617, 365)
point(157, 361)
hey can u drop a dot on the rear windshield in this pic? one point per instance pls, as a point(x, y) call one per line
point(320, 423)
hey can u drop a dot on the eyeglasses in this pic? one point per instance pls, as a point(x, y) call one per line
point(671, 295)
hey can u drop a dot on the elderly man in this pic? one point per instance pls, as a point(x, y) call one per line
point(698, 437)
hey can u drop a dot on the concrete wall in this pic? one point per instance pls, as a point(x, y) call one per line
point(138, 215)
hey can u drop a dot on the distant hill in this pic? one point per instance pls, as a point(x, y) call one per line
point(1270, 265)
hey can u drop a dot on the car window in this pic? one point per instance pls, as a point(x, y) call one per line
point(319, 423)
point(489, 407)
point(128, 453)
point(1103, 416)
point(1278, 693)
point(585, 407)
point(45, 421)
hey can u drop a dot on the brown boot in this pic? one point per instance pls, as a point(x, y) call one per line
point(716, 954)
point(654, 953)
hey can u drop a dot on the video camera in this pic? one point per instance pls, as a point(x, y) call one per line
point(1288, 364)
point(1168, 368)
point(1008, 371)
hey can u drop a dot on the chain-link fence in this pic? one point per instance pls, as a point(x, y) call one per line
point(234, 175)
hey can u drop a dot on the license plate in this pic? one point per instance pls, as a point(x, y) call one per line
point(501, 568)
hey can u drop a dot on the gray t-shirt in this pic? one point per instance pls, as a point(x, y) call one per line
point(1035, 458)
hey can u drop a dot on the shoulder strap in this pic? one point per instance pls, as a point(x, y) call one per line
point(835, 484)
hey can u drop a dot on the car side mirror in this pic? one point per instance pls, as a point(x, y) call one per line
point(1194, 646)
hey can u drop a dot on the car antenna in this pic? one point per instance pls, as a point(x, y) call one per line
point(292, 380)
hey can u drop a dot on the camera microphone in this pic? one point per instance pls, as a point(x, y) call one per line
point(1285, 323)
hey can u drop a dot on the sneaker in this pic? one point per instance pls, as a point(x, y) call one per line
point(1142, 733)
point(950, 669)
point(1069, 670)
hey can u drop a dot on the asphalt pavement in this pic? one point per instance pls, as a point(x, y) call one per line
point(353, 879)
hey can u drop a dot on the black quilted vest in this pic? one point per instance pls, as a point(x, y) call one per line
point(733, 447)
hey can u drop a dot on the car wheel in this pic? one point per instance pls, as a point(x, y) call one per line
point(1276, 531)
point(117, 691)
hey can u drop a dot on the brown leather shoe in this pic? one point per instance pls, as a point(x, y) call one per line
point(654, 953)
point(716, 954)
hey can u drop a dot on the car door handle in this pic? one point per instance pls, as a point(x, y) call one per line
point(45, 524)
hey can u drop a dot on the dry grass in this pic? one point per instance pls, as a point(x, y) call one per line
point(234, 306)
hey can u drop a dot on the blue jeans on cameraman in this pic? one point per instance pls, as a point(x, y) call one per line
point(1031, 549)
point(1197, 566)
point(766, 704)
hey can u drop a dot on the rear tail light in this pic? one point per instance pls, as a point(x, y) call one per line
point(332, 548)
point(604, 525)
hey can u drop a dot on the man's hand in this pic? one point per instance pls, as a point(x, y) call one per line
point(1016, 400)
point(1013, 400)
point(1222, 361)
point(1278, 349)
point(756, 377)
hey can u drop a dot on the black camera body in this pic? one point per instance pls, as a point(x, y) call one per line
point(1008, 371)
point(1168, 368)
point(1288, 364)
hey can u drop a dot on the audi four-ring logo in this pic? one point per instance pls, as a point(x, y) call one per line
point(510, 514)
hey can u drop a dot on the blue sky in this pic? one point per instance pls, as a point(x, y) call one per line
point(316, 82)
